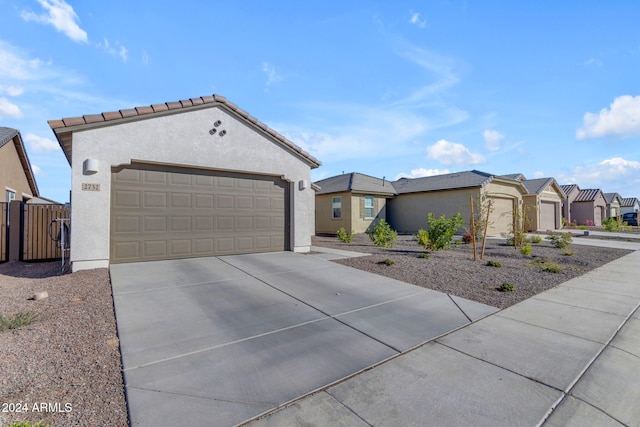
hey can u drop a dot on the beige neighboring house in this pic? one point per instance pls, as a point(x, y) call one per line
point(449, 194)
point(542, 204)
point(614, 203)
point(584, 207)
point(17, 180)
point(629, 204)
point(193, 178)
point(354, 201)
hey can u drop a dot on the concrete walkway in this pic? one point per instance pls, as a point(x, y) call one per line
point(567, 357)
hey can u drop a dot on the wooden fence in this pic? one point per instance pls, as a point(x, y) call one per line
point(41, 233)
point(4, 232)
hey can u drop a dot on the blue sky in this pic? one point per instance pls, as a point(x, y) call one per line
point(384, 88)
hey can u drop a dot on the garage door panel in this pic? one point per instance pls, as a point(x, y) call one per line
point(194, 213)
point(547, 216)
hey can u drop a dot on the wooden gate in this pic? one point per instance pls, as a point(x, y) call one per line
point(41, 233)
point(4, 232)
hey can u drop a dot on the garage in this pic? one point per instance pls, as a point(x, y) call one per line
point(193, 178)
point(548, 216)
point(170, 213)
point(501, 218)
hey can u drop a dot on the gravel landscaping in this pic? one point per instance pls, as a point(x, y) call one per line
point(65, 368)
point(453, 271)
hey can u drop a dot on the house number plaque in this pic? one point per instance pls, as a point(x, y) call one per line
point(90, 187)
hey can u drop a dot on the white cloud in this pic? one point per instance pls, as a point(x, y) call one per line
point(117, 50)
point(61, 16)
point(611, 175)
point(492, 139)
point(451, 153)
point(9, 109)
point(272, 75)
point(622, 119)
point(422, 172)
point(37, 170)
point(11, 90)
point(538, 174)
point(41, 145)
point(415, 19)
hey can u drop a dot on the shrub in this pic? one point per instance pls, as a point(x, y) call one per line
point(492, 263)
point(551, 267)
point(567, 252)
point(425, 256)
point(583, 227)
point(534, 239)
point(343, 236)
point(23, 318)
point(422, 238)
point(467, 238)
point(441, 230)
point(383, 235)
point(386, 261)
point(560, 240)
point(526, 249)
point(28, 424)
point(506, 287)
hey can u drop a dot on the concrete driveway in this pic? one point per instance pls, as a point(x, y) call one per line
point(217, 341)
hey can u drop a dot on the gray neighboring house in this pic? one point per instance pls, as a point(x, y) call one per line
point(449, 194)
point(193, 178)
point(584, 207)
point(629, 204)
point(614, 203)
point(354, 201)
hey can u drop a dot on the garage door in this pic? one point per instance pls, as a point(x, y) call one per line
point(501, 219)
point(547, 216)
point(174, 213)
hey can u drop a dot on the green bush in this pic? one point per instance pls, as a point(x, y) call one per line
point(526, 249)
point(23, 318)
point(560, 240)
point(28, 424)
point(551, 267)
point(534, 239)
point(425, 256)
point(387, 261)
point(614, 224)
point(506, 287)
point(441, 230)
point(567, 252)
point(492, 263)
point(422, 238)
point(343, 236)
point(583, 227)
point(383, 235)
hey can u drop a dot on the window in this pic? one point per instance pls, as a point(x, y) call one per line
point(336, 207)
point(368, 207)
point(11, 195)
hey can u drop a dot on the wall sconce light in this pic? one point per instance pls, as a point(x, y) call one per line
point(90, 166)
point(302, 184)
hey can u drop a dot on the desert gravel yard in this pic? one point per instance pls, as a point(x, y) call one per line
point(453, 270)
point(68, 360)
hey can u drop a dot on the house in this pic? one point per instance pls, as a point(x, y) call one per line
point(542, 204)
point(17, 180)
point(629, 204)
point(449, 194)
point(195, 178)
point(354, 201)
point(614, 203)
point(584, 207)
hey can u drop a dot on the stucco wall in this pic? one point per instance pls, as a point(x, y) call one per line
point(180, 139)
point(583, 211)
point(533, 211)
point(325, 223)
point(359, 223)
point(12, 174)
point(407, 213)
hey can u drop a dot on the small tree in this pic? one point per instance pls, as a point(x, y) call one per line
point(441, 230)
point(383, 235)
point(343, 236)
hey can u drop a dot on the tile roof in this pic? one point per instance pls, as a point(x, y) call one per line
point(9, 134)
point(588, 195)
point(568, 188)
point(67, 125)
point(537, 186)
point(448, 181)
point(355, 182)
point(629, 202)
point(610, 197)
point(516, 176)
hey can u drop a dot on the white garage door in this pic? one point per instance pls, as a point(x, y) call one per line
point(547, 216)
point(172, 213)
point(501, 220)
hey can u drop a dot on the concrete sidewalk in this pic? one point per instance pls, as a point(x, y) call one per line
point(567, 357)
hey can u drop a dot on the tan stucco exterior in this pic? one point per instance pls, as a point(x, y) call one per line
point(12, 174)
point(543, 211)
point(353, 218)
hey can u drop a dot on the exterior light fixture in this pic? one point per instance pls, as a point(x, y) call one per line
point(90, 166)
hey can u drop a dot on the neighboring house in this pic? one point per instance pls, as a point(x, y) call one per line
point(194, 178)
point(586, 207)
point(17, 181)
point(542, 204)
point(449, 194)
point(354, 201)
point(570, 191)
point(614, 203)
point(629, 204)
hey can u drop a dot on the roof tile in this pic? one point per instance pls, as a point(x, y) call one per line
point(93, 118)
point(159, 107)
point(129, 112)
point(55, 124)
point(73, 121)
point(208, 99)
point(196, 101)
point(220, 98)
point(186, 103)
point(112, 115)
point(144, 110)
point(173, 105)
